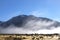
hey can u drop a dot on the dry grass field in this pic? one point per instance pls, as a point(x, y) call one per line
point(29, 37)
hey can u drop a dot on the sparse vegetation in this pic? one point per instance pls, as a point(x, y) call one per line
point(29, 37)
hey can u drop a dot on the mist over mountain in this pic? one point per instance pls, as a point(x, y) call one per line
point(27, 24)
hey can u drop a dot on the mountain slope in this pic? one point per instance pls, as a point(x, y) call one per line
point(21, 20)
point(28, 22)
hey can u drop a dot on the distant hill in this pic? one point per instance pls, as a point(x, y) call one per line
point(23, 19)
point(29, 22)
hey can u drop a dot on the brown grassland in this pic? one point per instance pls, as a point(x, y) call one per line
point(29, 37)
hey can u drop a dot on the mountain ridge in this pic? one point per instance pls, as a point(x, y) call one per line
point(22, 19)
point(23, 24)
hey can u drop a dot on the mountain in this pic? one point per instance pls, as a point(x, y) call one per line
point(29, 24)
point(21, 20)
point(1, 22)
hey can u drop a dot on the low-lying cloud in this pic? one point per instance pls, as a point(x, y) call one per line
point(32, 26)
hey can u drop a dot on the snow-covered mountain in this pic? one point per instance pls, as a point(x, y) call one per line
point(27, 24)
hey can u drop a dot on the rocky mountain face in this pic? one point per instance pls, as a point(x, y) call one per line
point(23, 20)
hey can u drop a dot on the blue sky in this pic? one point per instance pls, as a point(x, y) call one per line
point(40, 8)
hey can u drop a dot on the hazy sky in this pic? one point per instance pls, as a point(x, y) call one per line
point(41, 8)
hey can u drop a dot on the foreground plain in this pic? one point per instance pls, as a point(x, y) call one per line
point(29, 37)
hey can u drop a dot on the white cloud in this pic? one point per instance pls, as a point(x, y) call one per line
point(16, 30)
point(32, 26)
point(52, 31)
